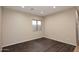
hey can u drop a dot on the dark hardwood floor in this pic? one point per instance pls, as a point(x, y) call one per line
point(40, 45)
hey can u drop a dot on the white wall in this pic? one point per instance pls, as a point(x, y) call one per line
point(61, 26)
point(0, 27)
point(17, 27)
point(78, 26)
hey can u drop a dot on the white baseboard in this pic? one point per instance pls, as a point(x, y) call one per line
point(20, 42)
point(60, 41)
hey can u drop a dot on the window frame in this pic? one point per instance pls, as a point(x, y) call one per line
point(37, 25)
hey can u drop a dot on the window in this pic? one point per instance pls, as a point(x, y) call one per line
point(36, 24)
point(39, 25)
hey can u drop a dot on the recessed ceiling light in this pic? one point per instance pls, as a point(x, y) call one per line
point(54, 6)
point(22, 6)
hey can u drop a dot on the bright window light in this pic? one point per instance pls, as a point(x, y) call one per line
point(34, 22)
point(39, 22)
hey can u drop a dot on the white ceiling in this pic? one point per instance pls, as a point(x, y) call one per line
point(39, 10)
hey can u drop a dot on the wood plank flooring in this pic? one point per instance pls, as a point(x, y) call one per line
point(40, 45)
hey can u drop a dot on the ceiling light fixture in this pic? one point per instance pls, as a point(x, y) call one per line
point(54, 6)
point(22, 6)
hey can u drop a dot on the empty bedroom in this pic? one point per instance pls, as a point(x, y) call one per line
point(39, 29)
